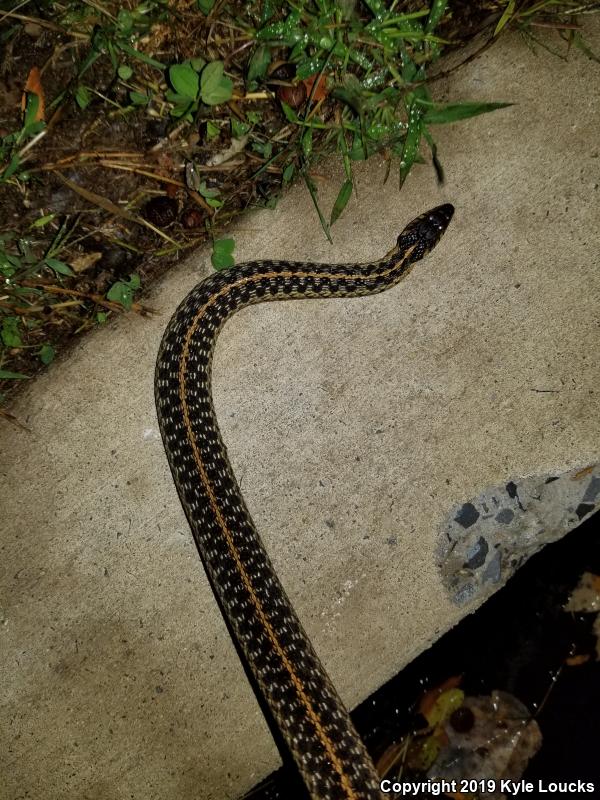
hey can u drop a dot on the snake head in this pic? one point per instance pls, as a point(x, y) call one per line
point(424, 232)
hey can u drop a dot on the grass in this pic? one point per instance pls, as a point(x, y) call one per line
point(132, 133)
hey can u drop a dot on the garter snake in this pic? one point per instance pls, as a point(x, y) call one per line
point(305, 706)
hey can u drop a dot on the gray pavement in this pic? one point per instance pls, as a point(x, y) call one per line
point(356, 427)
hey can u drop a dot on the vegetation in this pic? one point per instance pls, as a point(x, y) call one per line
point(130, 133)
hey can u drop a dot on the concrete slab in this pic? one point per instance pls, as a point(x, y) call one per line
point(359, 430)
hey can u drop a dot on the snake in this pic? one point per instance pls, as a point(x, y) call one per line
point(276, 652)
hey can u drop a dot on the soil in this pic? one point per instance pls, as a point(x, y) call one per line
point(104, 172)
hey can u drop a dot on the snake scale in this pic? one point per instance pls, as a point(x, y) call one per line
point(301, 698)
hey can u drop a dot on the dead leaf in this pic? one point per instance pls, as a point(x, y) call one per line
point(320, 92)
point(576, 661)
point(390, 757)
point(34, 86)
point(585, 596)
point(84, 261)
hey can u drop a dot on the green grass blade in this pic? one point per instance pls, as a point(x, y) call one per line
point(411, 141)
point(313, 193)
point(506, 16)
point(440, 115)
point(341, 202)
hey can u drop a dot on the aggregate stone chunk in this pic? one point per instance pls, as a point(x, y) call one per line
point(486, 539)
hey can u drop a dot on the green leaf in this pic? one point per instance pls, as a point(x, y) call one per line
point(82, 96)
point(101, 317)
point(439, 115)
point(206, 6)
point(257, 68)
point(185, 80)
point(341, 201)
point(6, 374)
point(10, 332)
point(287, 32)
point(125, 22)
point(351, 93)
point(42, 221)
point(505, 18)
point(31, 126)
point(410, 150)
point(288, 172)
point(215, 87)
point(264, 148)
point(212, 130)
point(139, 98)
point(32, 129)
point(131, 51)
point(222, 254)
point(444, 705)
point(198, 63)
point(183, 105)
point(122, 292)
point(12, 167)
point(47, 353)
point(438, 8)
point(207, 192)
point(31, 109)
point(124, 72)
point(310, 185)
point(58, 266)
point(289, 112)
point(307, 142)
point(239, 128)
point(8, 264)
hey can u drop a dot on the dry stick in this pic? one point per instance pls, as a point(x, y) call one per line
point(95, 298)
point(84, 155)
point(112, 208)
point(38, 309)
point(138, 171)
point(43, 24)
point(196, 196)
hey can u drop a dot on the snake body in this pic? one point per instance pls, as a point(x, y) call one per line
point(302, 700)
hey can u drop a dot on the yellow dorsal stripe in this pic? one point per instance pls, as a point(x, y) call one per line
point(312, 714)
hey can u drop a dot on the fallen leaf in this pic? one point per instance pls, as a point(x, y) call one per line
point(85, 261)
point(575, 661)
point(394, 754)
point(585, 596)
point(34, 85)
point(320, 92)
